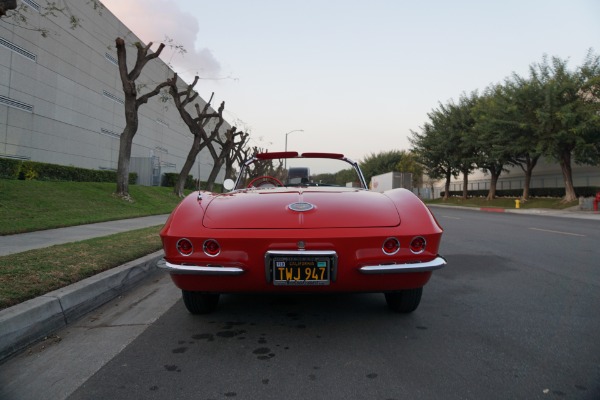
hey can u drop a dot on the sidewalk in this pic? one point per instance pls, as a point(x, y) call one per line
point(32, 320)
point(19, 243)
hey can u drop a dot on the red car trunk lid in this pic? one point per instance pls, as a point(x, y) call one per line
point(331, 208)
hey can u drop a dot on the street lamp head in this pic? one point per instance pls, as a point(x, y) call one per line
point(286, 135)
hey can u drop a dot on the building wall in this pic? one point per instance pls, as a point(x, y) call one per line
point(546, 174)
point(61, 98)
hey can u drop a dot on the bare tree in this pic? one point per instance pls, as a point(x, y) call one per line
point(226, 147)
point(6, 5)
point(237, 155)
point(243, 155)
point(132, 103)
point(197, 126)
point(51, 9)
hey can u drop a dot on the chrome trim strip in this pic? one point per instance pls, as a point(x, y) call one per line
point(198, 269)
point(301, 253)
point(356, 167)
point(432, 265)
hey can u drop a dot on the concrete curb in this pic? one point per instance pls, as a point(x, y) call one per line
point(590, 215)
point(30, 321)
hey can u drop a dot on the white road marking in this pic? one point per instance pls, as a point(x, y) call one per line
point(559, 232)
point(446, 216)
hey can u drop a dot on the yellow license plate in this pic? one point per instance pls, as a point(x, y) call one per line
point(301, 271)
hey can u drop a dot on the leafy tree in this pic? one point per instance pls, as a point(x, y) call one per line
point(133, 101)
point(554, 113)
point(461, 122)
point(345, 176)
point(522, 98)
point(381, 163)
point(410, 163)
point(569, 119)
point(447, 145)
point(434, 148)
point(340, 178)
point(494, 134)
point(589, 153)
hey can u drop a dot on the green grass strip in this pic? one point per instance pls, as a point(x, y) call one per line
point(505, 202)
point(27, 206)
point(26, 275)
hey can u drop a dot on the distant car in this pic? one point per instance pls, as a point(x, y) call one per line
point(297, 175)
point(325, 233)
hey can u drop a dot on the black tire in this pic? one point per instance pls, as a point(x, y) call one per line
point(404, 301)
point(200, 303)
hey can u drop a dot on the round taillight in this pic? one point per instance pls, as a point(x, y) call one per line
point(417, 245)
point(391, 246)
point(212, 247)
point(185, 247)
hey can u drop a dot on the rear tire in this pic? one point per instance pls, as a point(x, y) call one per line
point(404, 301)
point(200, 303)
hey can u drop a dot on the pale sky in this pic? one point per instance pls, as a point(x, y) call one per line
point(355, 76)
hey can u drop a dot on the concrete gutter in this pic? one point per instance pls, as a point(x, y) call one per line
point(32, 320)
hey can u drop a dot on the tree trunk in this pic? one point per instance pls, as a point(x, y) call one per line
point(495, 173)
point(527, 184)
point(195, 125)
point(213, 174)
point(235, 154)
point(531, 162)
point(465, 195)
point(132, 102)
point(565, 166)
point(187, 166)
point(125, 145)
point(447, 185)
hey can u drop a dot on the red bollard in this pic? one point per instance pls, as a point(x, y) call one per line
point(596, 201)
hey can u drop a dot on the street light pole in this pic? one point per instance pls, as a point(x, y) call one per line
point(286, 135)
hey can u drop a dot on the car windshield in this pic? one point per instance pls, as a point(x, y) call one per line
point(290, 169)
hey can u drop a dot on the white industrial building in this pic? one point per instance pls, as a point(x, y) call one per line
point(61, 98)
point(546, 174)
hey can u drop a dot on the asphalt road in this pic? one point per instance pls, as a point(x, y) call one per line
point(514, 315)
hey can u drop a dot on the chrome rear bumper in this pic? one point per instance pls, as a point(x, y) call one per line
point(198, 269)
point(437, 263)
point(432, 265)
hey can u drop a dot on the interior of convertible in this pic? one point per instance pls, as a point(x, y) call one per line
point(290, 169)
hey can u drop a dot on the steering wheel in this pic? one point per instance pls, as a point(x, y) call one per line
point(265, 179)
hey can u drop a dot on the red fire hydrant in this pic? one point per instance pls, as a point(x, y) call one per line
point(596, 201)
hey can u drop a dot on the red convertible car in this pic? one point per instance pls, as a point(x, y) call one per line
point(301, 223)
